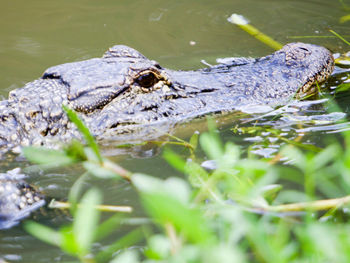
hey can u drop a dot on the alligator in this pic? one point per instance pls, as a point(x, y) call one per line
point(124, 91)
point(17, 198)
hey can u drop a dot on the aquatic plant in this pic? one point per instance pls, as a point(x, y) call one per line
point(228, 207)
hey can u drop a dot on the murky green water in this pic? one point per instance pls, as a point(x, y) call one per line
point(38, 34)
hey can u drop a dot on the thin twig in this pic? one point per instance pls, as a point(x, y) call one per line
point(185, 144)
point(317, 205)
point(174, 240)
point(117, 169)
point(243, 23)
point(105, 208)
point(339, 36)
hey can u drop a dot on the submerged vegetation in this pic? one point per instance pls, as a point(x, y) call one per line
point(227, 207)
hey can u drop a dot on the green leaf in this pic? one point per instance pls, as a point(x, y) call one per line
point(146, 183)
point(76, 150)
point(188, 221)
point(223, 253)
point(108, 227)
point(99, 171)
point(178, 188)
point(211, 145)
point(344, 19)
point(344, 87)
point(326, 156)
point(174, 160)
point(75, 192)
point(159, 247)
point(196, 174)
point(173, 186)
point(167, 202)
point(43, 233)
point(129, 256)
point(269, 192)
point(194, 140)
point(126, 241)
point(73, 116)
point(69, 243)
point(296, 156)
point(47, 157)
point(86, 220)
point(231, 155)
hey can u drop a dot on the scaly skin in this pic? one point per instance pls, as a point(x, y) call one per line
point(124, 91)
point(17, 198)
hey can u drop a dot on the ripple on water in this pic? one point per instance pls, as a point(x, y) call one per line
point(300, 123)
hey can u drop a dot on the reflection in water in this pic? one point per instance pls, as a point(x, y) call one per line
point(302, 123)
point(40, 34)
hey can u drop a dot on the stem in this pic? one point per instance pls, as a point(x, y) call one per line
point(313, 206)
point(106, 208)
point(243, 23)
point(185, 144)
point(339, 36)
point(85, 259)
point(175, 242)
point(117, 169)
point(206, 187)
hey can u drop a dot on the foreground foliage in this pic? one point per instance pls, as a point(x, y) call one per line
point(229, 208)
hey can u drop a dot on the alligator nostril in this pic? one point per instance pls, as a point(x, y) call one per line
point(50, 76)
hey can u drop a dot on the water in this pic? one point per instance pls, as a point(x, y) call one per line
point(178, 34)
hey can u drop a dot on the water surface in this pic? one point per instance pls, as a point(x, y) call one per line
point(178, 34)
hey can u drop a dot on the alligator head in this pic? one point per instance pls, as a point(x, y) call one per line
point(123, 90)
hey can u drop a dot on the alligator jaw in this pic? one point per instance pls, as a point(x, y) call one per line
point(272, 80)
point(311, 86)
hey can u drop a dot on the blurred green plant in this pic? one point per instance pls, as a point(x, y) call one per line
point(229, 208)
point(345, 18)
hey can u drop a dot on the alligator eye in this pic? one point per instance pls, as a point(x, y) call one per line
point(147, 80)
